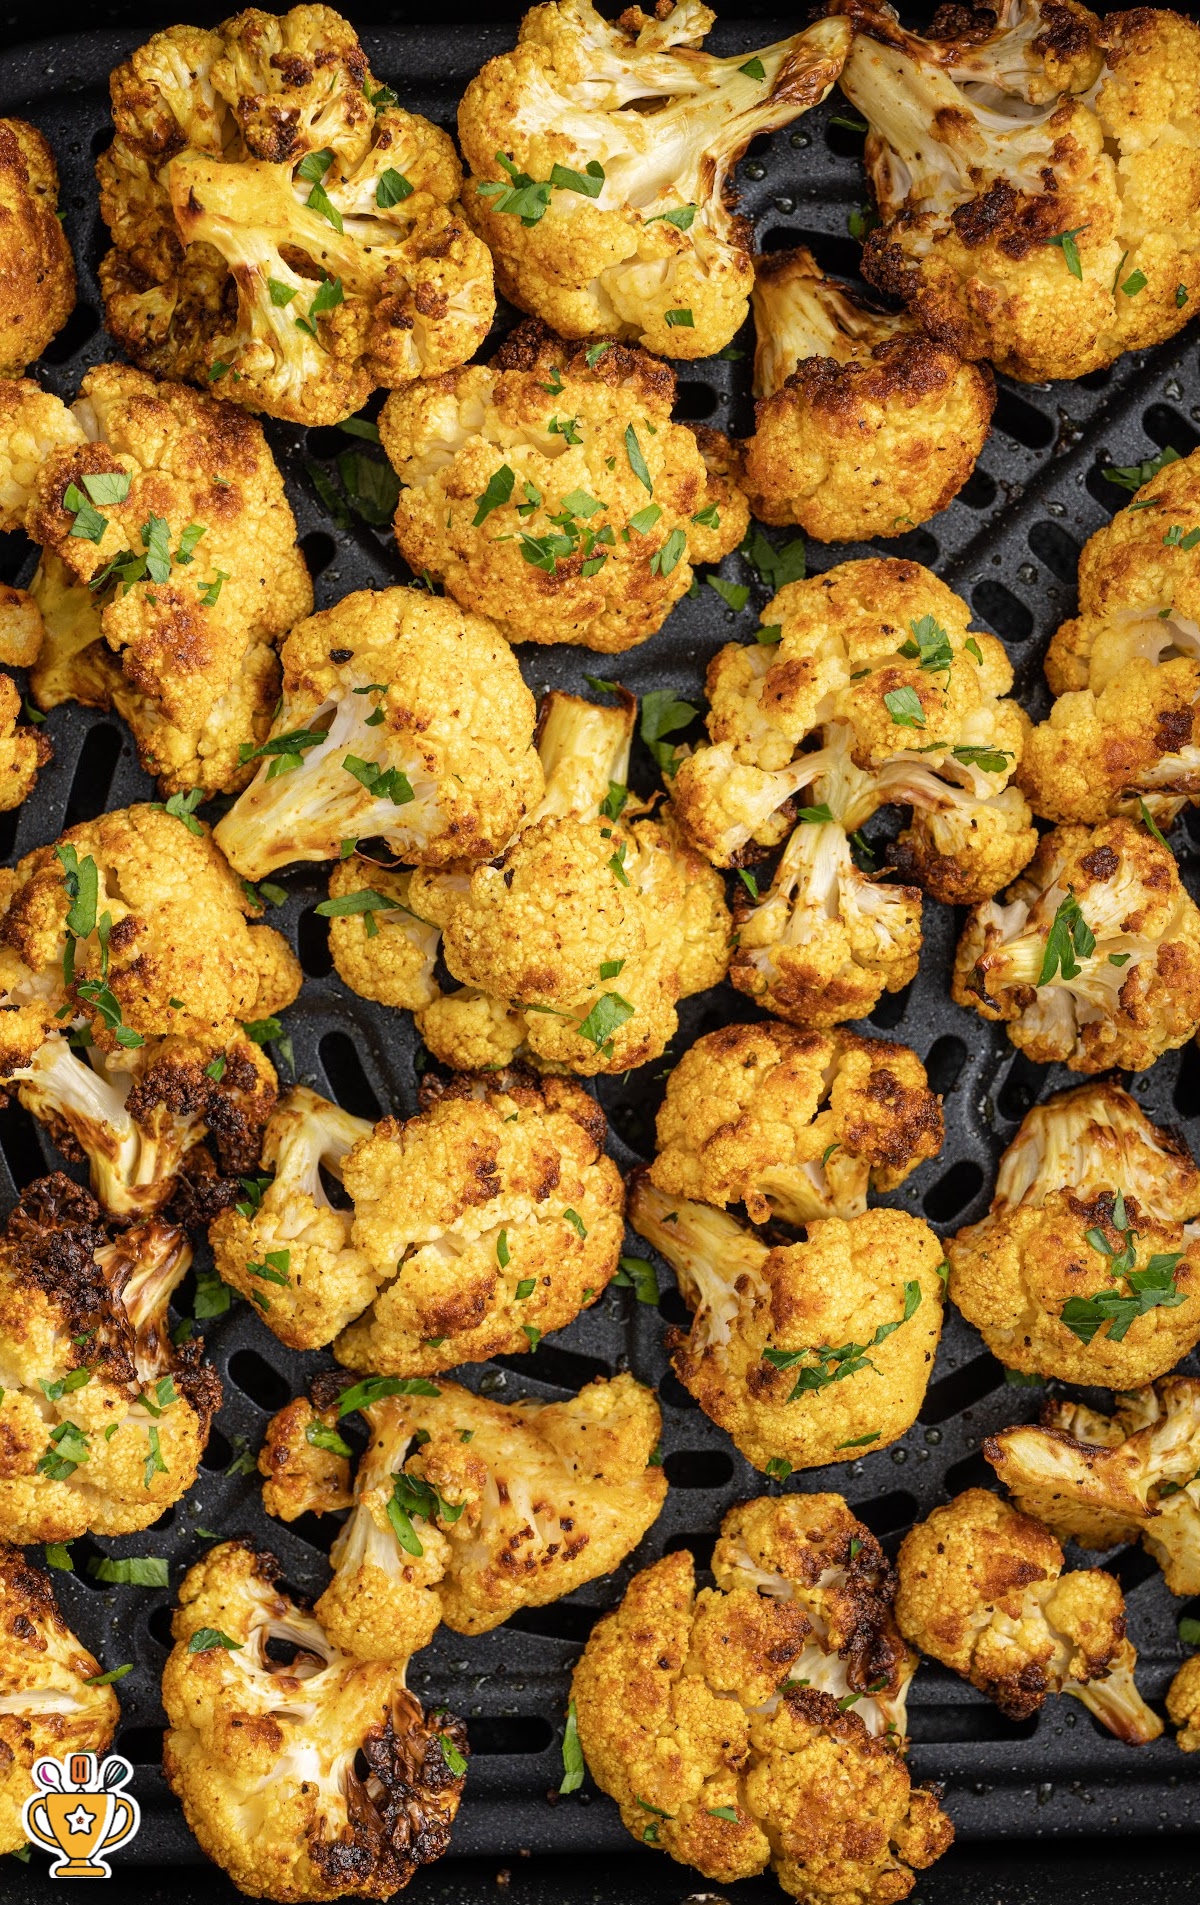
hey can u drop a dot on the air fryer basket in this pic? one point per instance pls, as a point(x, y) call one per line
point(1009, 544)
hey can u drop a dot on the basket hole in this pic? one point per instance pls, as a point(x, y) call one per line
point(673, 1309)
point(562, 1368)
point(1096, 379)
point(979, 490)
point(1022, 1085)
point(974, 1471)
point(1056, 549)
point(1187, 1085)
point(562, 1620)
point(317, 1531)
point(1131, 1566)
point(1020, 420)
point(166, 1520)
point(348, 1082)
point(915, 545)
point(672, 1392)
point(885, 1514)
point(313, 937)
point(958, 1725)
point(9, 823)
point(699, 1545)
point(158, 1626)
point(1169, 430)
point(698, 1468)
point(256, 1379)
point(93, 776)
point(319, 550)
point(509, 1733)
point(101, 140)
point(78, 330)
point(326, 441)
point(838, 257)
point(218, 1454)
point(1002, 611)
point(891, 1008)
point(944, 1063)
point(842, 142)
point(951, 1394)
point(694, 400)
point(142, 1745)
point(954, 1191)
point(19, 1143)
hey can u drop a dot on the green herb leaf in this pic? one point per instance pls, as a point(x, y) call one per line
point(749, 882)
point(831, 1364)
point(319, 1436)
point(637, 461)
point(644, 520)
point(274, 1268)
point(206, 1639)
point(754, 69)
point(776, 567)
point(183, 807)
point(107, 1679)
point(1132, 476)
point(572, 1754)
point(1177, 537)
point(680, 320)
point(733, 594)
point(859, 1441)
point(361, 1394)
point(1189, 1627)
point(497, 493)
point(723, 1812)
point(662, 713)
point(778, 1468)
point(213, 1297)
point(606, 1016)
point(58, 1555)
point(108, 486)
point(65, 1385)
point(665, 560)
point(503, 1256)
point(391, 188)
point(990, 760)
point(596, 351)
point(384, 783)
point(1070, 250)
point(634, 1273)
point(589, 182)
point(931, 644)
point(904, 706)
point(526, 1288)
point(452, 1756)
point(360, 427)
point(89, 525)
point(211, 591)
point(1069, 935)
point(1135, 282)
point(146, 1570)
point(576, 1222)
point(612, 807)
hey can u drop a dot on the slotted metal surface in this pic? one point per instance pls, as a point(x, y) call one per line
point(1009, 544)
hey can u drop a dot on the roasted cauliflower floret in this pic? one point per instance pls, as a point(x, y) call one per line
point(24, 750)
point(864, 426)
point(744, 1725)
point(287, 1249)
point(279, 224)
point(1100, 1480)
point(34, 424)
point(379, 946)
point(37, 272)
point(262, 1755)
point(46, 1704)
point(402, 717)
point(980, 1590)
point(1126, 670)
point(497, 1184)
point(467, 1509)
point(793, 1124)
point(1039, 185)
point(550, 490)
point(169, 570)
point(102, 1421)
point(1183, 1705)
point(1092, 958)
point(1085, 1267)
point(603, 216)
point(810, 1349)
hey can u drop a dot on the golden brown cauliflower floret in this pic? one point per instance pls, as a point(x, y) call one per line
point(1126, 670)
point(1052, 220)
point(21, 629)
point(1085, 1267)
point(1101, 1480)
point(169, 570)
point(279, 224)
point(1092, 958)
point(864, 426)
point(467, 1509)
point(23, 749)
point(744, 1725)
point(34, 424)
point(793, 1124)
point(980, 1590)
point(1183, 1705)
point(603, 216)
point(262, 1755)
point(379, 946)
point(102, 1422)
point(37, 272)
point(46, 1704)
point(810, 1349)
point(550, 490)
point(497, 1183)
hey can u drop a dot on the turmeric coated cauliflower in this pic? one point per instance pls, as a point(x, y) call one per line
point(1126, 670)
point(980, 1590)
point(279, 224)
point(1085, 1267)
point(1092, 958)
point(46, 1704)
point(265, 1755)
point(864, 425)
point(1038, 176)
point(807, 1350)
point(37, 272)
point(378, 945)
point(1100, 1480)
point(24, 750)
point(402, 716)
point(467, 1509)
point(34, 424)
point(744, 1725)
point(169, 567)
point(550, 490)
point(102, 1421)
point(600, 156)
point(793, 1124)
point(1183, 1705)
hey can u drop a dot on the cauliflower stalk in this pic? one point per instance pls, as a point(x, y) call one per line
point(37, 273)
point(279, 224)
point(600, 156)
point(759, 1722)
point(809, 1350)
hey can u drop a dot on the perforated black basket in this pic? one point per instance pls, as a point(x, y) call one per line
point(1009, 544)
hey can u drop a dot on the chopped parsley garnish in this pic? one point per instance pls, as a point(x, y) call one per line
point(565, 427)
point(634, 1273)
point(778, 1468)
point(572, 1755)
point(391, 188)
point(312, 169)
point(776, 567)
point(990, 760)
point(58, 1555)
point(503, 1254)
point(859, 1441)
point(665, 560)
point(210, 593)
point(818, 816)
point(1070, 250)
point(534, 1335)
point(205, 1639)
point(723, 1812)
point(411, 1496)
point(389, 783)
point(526, 1288)
point(1131, 476)
point(450, 1753)
point(1177, 537)
point(67, 1451)
point(107, 1679)
point(1148, 821)
point(154, 1464)
point(284, 751)
point(612, 807)
point(361, 1394)
point(319, 1436)
point(904, 706)
point(1069, 935)
point(137, 1570)
point(365, 901)
point(89, 524)
point(1135, 282)
point(274, 1268)
point(681, 216)
point(831, 1364)
point(329, 295)
point(749, 882)
point(254, 1188)
point(754, 69)
point(576, 1222)
point(637, 461)
point(213, 1296)
point(182, 807)
point(930, 643)
point(680, 320)
point(64, 1385)
point(733, 594)
point(593, 355)
point(616, 864)
point(662, 713)
point(608, 1014)
point(497, 493)
point(1149, 1289)
point(769, 634)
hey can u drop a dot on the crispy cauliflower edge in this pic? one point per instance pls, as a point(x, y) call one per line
point(37, 272)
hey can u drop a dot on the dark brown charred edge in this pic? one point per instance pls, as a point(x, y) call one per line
point(399, 1816)
point(533, 346)
point(50, 1240)
point(26, 1594)
point(1065, 33)
point(530, 1091)
point(875, 1650)
point(908, 369)
point(915, 1119)
point(235, 1108)
point(822, 1710)
point(201, 1192)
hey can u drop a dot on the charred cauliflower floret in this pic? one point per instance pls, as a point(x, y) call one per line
point(761, 1721)
point(24, 750)
point(1085, 1267)
point(1092, 958)
point(279, 224)
point(1100, 1480)
point(46, 1704)
point(1039, 183)
point(467, 1509)
point(981, 1589)
point(102, 1421)
point(130, 936)
point(499, 1184)
point(265, 1755)
point(402, 717)
point(550, 490)
point(1126, 670)
point(33, 425)
point(793, 1124)
point(864, 426)
point(1183, 1705)
point(809, 1349)
point(600, 156)
point(37, 272)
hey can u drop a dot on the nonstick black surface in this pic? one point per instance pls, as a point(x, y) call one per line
point(1009, 544)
